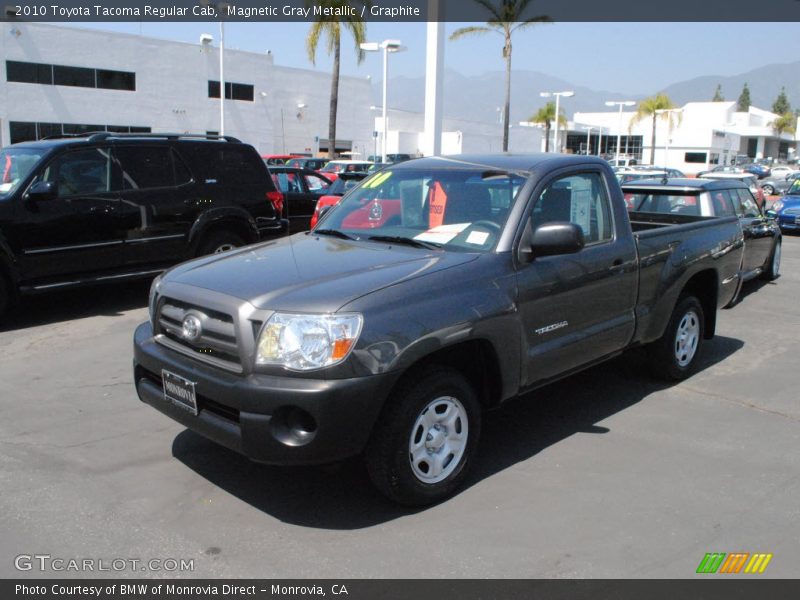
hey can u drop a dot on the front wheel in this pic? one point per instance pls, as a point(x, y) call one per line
point(768, 190)
point(423, 443)
point(773, 270)
point(674, 355)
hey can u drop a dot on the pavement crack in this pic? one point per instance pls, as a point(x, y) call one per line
point(743, 403)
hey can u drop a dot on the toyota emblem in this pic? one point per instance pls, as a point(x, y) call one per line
point(192, 327)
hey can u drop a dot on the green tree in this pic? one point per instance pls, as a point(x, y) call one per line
point(331, 28)
point(786, 123)
point(507, 17)
point(652, 107)
point(743, 103)
point(718, 97)
point(545, 116)
point(781, 105)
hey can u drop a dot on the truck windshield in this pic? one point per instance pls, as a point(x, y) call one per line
point(15, 165)
point(458, 209)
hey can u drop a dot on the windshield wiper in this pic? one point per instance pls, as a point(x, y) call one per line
point(334, 233)
point(396, 239)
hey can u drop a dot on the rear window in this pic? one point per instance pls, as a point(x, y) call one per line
point(663, 203)
point(224, 163)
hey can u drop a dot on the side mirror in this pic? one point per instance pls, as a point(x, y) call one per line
point(552, 239)
point(43, 190)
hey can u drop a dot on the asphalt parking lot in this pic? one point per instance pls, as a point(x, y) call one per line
point(608, 474)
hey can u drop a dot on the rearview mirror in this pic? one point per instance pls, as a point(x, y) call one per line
point(43, 190)
point(552, 239)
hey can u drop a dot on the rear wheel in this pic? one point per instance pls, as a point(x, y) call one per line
point(773, 269)
point(674, 355)
point(768, 189)
point(219, 241)
point(423, 444)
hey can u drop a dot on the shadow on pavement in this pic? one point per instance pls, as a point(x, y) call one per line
point(78, 303)
point(341, 496)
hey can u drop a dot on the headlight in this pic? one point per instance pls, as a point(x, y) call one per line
point(306, 342)
point(777, 206)
point(151, 301)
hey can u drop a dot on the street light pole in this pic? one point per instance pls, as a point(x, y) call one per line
point(619, 125)
point(558, 95)
point(387, 46)
point(222, 78)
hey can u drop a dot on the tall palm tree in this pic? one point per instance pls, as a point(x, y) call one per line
point(331, 27)
point(507, 16)
point(651, 107)
point(545, 116)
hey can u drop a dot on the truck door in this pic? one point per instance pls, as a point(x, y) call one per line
point(759, 237)
point(577, 308)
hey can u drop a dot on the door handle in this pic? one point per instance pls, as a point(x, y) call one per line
point(618, 266)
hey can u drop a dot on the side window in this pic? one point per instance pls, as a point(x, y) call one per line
point(579, 199)
point(80, 173)
point(145, 167)
point(286, 182)
point(316, 184)
point(722, 202)
point(747, 206)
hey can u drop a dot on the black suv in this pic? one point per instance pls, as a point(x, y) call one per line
point(113, 206)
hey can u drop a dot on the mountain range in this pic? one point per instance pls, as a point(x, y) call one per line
point(479, 97)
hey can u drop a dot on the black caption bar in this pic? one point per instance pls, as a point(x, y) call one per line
point(397, 10)
point(402, 589)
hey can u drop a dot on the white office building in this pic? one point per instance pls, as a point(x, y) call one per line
point(67, 80)
point(695, 137)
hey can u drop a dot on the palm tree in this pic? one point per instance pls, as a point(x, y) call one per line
point(506, 18)
point(652, 107)
point(545, 116)
point(786, 123)
point(331, 28)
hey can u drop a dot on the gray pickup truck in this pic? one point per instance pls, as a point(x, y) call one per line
point(435, 290)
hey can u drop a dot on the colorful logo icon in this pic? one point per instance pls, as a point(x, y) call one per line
point(734, 563)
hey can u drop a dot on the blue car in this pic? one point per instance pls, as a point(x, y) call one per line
point(786, 211)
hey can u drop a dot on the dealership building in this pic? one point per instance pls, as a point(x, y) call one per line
point(67, 80)
point(694, 137)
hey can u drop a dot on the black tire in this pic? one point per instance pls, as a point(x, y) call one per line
point(670, 357)
point(219, 241)
point(773, 266)
point(388, 455)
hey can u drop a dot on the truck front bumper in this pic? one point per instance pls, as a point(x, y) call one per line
point(270, 419)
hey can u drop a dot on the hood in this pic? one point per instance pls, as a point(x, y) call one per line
point(308, 273)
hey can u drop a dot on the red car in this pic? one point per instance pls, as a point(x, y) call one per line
point(338, 188)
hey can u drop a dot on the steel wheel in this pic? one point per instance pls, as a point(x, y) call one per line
point(686, 338)
point(768, 189)
point(438, 439)
point(223, 248)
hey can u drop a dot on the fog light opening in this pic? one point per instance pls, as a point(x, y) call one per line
point(293, 426)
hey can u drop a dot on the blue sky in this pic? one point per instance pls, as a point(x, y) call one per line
point(616, 57)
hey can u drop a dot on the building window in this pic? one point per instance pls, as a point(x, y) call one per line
point(26, 132)
point(695, 157)
point(25, 72)
point(233, 91)
point(73, 76)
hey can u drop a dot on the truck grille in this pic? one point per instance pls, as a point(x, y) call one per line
point(210, 336)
